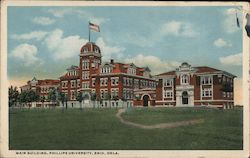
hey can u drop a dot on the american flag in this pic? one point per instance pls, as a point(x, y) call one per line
point(94, 27)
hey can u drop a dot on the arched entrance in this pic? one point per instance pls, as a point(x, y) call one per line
point(145, 100)
point(184, 97)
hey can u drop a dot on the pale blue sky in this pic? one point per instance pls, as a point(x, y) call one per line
point(44, 41)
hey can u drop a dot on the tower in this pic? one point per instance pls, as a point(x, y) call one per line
point(90, 60)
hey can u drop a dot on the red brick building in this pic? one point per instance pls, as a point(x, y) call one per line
point(42, 87)
point(113, 84)
point(195, 86)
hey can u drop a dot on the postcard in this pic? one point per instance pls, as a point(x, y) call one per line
point(124, 79)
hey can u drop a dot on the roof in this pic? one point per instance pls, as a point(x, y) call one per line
point(199, 69)
point(49, 82)
point(66, 76)
point(73, 67)
point(90, 46)
point(122, 68)
point(167, 73)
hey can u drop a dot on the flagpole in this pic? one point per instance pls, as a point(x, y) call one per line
point(89, 33)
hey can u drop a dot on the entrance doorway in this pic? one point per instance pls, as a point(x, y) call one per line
point(145, 100)
point(184, 97)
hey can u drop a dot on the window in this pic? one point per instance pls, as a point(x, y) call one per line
point(85, 85)
point(85, 64)
point(85, 75)
point(131, 71)
point(93, 82)
point(184, 79)
point(104, 81)
point(72, 83)
point(168, 94)
point(78, 83)
point(64, 84)
point(114, 92)
point(224, 79)
point(85, 49)
point(136, 83)
point(114, 81)
point(106, 69)
point(93, 91)
point(102, 93)
point(168, 82)
point(73, 95)
point(96, 50)
point(224, 94)
point(206, 80)
point(207, 92)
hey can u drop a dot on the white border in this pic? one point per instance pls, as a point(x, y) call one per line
point(122, 153)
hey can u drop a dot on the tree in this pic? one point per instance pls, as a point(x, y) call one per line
point(42, 99)
point(66, 101)
point(22, 97)
point(13, 96)
point(80, 98)
point(107, 97)
point(32, 96)
point(62, 98)
point(93, 98)
point(28, 96)
point(52, 96)
point(116, 98)
point(124, 100)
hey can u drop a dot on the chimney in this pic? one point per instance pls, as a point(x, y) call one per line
point(111, 61)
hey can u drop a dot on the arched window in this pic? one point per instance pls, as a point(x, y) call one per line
point(184, 79)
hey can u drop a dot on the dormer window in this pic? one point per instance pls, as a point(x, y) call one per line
point(106, 69)
point(85, 49)
point(131, 71)
point(96, 50)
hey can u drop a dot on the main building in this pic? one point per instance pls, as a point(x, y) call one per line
point(113, 84)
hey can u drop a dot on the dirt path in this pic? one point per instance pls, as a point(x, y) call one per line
point(157, 126)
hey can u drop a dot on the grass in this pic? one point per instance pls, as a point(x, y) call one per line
point(99, 129)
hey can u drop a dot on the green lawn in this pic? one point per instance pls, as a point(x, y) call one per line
point(100, 129)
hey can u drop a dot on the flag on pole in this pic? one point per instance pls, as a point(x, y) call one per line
point(94, 27)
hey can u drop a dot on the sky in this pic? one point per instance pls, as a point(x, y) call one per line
point(44, 41)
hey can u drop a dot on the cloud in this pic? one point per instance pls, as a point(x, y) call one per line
point(109, 52)
point(63, 47)
point(156, 64)
point(37, 35)
point(60, 13)
point(43, 21)
point(178, 28)
point(235, 59)
point(229, 23)
point(27, 53)
point(222, 43)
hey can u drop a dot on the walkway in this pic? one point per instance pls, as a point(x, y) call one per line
point(160, 125)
